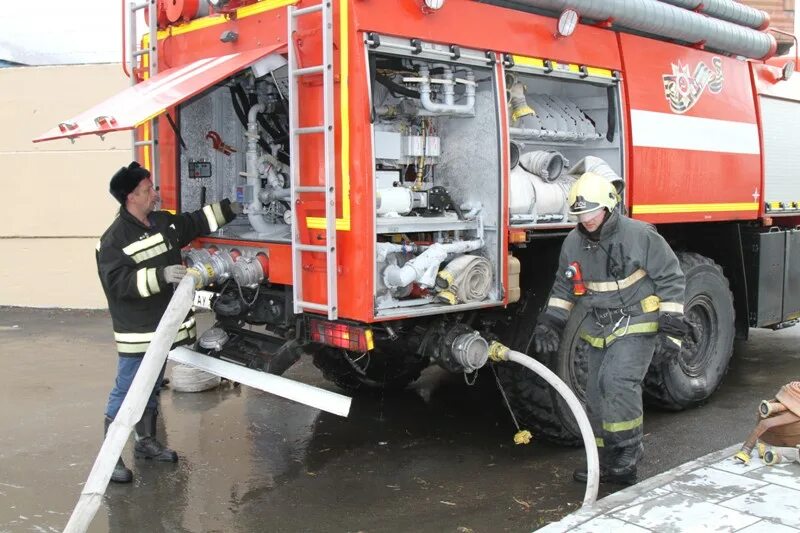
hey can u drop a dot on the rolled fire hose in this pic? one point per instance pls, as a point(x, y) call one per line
point(465, 279)
point(498, 352)
point(547, 164)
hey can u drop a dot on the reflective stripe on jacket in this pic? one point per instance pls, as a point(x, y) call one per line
point(630, 267)
point(130, 263)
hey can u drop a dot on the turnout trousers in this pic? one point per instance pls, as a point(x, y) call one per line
point(614, 390)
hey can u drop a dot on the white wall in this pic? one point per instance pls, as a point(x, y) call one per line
point(55, 194)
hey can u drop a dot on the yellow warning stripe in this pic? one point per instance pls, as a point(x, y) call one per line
point(653, 209)
point(573, 68)
point(342, 224)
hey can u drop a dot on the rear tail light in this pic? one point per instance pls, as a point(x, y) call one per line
point(341, 335)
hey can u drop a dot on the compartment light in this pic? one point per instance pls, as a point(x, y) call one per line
point(567, 23)
point(429, 6)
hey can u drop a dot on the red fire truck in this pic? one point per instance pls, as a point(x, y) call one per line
point(404, 166)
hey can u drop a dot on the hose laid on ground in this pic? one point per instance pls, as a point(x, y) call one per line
point(498, 352)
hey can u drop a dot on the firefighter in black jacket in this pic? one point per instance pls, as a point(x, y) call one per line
point(138, 261)
point(630, 281)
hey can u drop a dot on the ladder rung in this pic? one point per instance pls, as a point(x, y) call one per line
point(143, 143)
point(142, 52)
point(310, 129)
point(137, 7)
point(309, 188)
point(316, 69)
point(312, 305)
point(307, 10)
point(311, 248)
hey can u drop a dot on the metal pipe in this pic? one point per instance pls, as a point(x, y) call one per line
point(124, 42)
point(448, 106)
point(132, 407)
point(254, 210)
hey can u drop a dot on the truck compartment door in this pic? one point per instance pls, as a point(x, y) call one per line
point(148, 99)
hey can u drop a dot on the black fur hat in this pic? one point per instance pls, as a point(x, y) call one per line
point(126, 180)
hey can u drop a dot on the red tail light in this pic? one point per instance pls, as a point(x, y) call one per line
point(341, 335)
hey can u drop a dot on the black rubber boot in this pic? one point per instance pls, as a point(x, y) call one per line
point(121, 474)
point(581, 475)
point(622, 470)
point(147, 446)
point(617, 466)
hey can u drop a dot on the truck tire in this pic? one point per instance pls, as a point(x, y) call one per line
point(377, 371)
point(695, 374)
point(538, 406)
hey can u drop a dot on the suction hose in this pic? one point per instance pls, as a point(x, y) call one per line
point(498, 352)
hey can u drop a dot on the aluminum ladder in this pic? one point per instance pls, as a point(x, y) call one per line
point(134, 53)
point(326, 129)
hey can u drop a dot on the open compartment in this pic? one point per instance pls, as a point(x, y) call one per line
point(234, 139)
point(437, 179)
point(564, 120)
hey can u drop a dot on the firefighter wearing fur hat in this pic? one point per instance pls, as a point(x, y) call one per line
point(628, 279)
point(138, 261)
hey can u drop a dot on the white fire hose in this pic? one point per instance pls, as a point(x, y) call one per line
point(132, 407)
point(498, 352)
point(145, 379)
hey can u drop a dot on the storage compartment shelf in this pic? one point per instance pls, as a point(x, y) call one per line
point(386, 225)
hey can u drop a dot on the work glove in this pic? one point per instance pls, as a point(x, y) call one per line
point(174, 273)
point(547, 334)
point(673, 330)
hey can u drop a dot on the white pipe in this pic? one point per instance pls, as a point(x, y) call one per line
point(424, 267)
point(254, 210)
point(448, 106)
point(592, 460)
point(285, 388)
point(383, 249)
point(471, 209)
point(132, 407)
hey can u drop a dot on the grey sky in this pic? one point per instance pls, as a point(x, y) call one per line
point(48, 32)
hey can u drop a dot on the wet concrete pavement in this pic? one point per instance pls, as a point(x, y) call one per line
point(438, 457)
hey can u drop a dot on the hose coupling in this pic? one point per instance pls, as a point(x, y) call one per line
point(498, 352)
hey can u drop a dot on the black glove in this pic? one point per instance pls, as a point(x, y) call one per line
point(547, 334)
point(672, 332)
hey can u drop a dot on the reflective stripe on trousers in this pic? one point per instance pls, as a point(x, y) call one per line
point(614, 389)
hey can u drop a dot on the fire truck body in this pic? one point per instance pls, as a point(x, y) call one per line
point(402, 205)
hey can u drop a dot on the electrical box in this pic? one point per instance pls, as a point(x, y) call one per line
point(385, 179)
point(419, 146)
point(388, 145)
point(199, 169)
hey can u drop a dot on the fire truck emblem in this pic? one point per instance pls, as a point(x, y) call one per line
point(684, 89)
